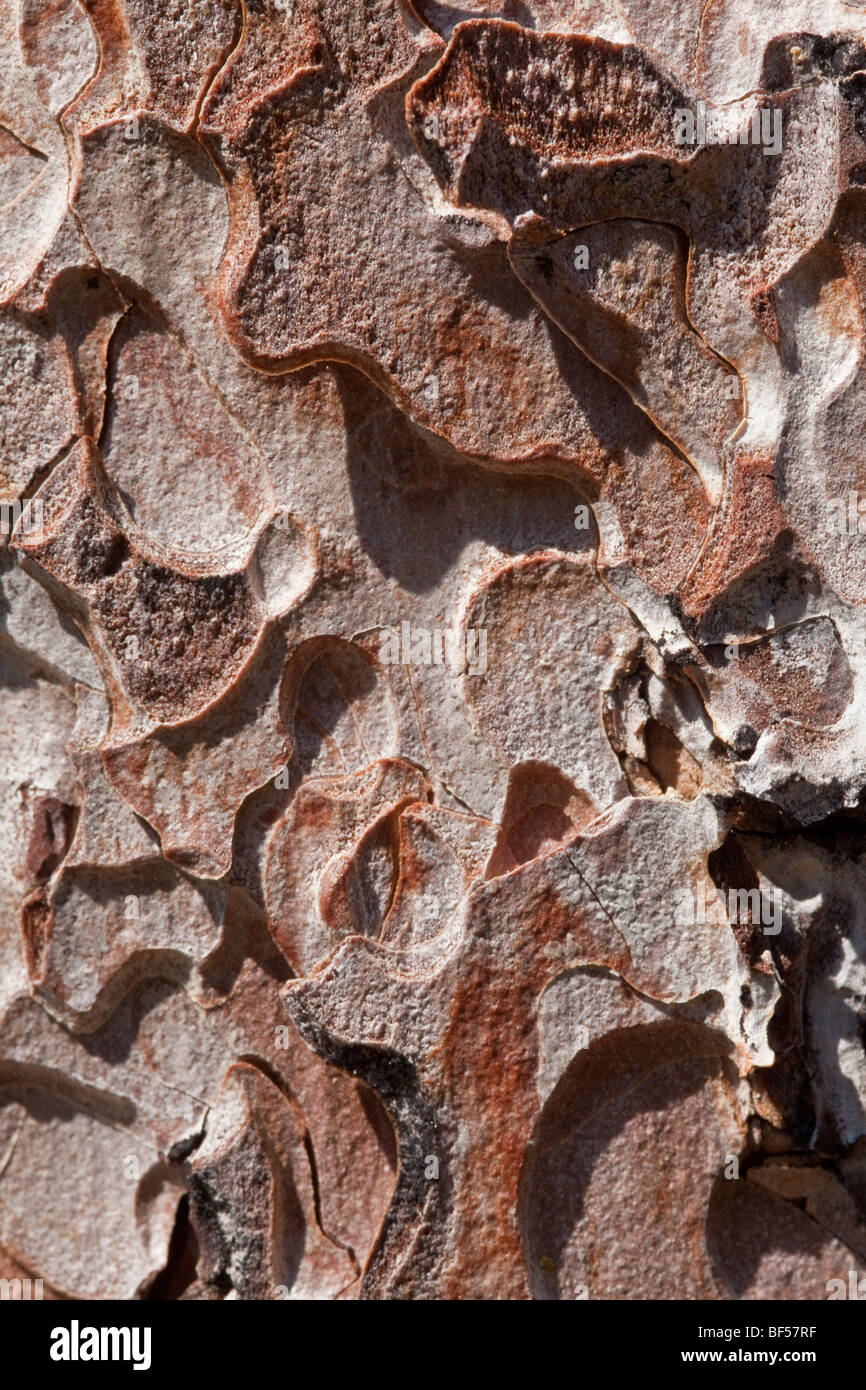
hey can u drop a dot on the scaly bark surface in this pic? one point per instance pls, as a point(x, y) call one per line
point(433, 647)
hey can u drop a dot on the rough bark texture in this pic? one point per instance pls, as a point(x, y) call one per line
point(433, 647)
